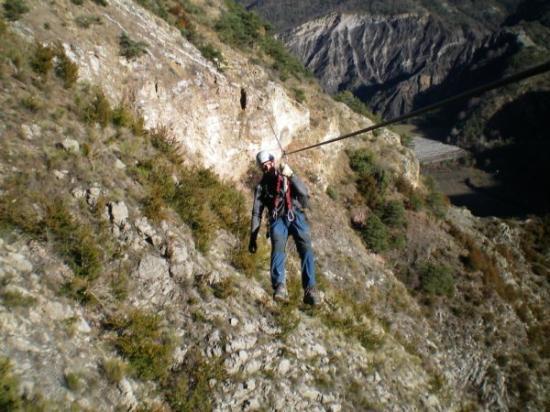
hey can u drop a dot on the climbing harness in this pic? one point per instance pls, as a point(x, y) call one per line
point(283, 187)
point(542, 68)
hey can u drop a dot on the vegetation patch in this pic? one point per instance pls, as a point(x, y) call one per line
point(129, 48)
point(92, 105)
point(10, 398)
point(42, 59)
point(12, 299)
point(190, 387)
point(144, 342)
point(436, 279)
point(85, 21)
point(245, 30)
point(14, 9)
point(114, 369)
point(65, 69)
point(372, 180)
point(355, 104)
point(375, 234)
point(345, 312)
point(73, 381)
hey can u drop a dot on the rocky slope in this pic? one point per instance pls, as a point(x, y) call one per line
point(123, 285)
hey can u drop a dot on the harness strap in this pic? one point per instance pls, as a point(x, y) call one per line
point(282, 183)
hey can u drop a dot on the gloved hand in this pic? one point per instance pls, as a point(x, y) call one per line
point(252, 245)
point(286, 170)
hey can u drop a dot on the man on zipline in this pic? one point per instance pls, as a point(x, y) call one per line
point(285, 197)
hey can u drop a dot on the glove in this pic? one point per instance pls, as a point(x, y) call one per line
point(252, 245)
point(286, 170)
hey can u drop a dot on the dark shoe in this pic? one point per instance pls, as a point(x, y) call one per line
point(280, 294)
point(311, 297)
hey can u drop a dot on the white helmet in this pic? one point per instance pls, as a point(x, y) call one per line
point(264, 156)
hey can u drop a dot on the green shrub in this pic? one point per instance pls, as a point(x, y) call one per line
point(32, 104)
point(348, 319)
point(93, 106)
point(42, 60)
point(189, 388)
point(436, 279)
point(393, 214)
point(283, 61)
point(224, 289)
point(9, 388)
point(85, 21)
point(73, 381)
point(130, 48)
point(65, 69)
point(122, 116)
point(238, 27)
point(144, 343)
point(372, 180)
point(206, 204)
point(74, 240)
point(438, 203)
point(299, 94)
point(406, 140)
point(355, 104)
point(3, 26)
point(78, 2)
point(213, 54)
point(14, 9)
point(115, 370)
point(13, 299)
point(101, 2)
point(250, 264)
point(156, 6)
point(332, 193)
point(375, 234)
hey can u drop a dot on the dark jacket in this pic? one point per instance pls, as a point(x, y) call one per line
point(265, 193)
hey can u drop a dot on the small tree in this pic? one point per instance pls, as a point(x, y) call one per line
point(375, 234)
point(13, 9)
point(436, 279)
point(394, 214)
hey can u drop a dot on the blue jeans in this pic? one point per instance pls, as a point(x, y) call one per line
point(299, 229)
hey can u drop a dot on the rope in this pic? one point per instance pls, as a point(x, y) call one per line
point(542, 68)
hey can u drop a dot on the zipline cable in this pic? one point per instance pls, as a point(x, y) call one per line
point(542, 68)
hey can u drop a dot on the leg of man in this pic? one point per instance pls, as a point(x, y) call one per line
point(299, 229)
point(279, 235)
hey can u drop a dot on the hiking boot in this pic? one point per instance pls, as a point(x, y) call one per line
point(280, 294)
point(311, 296)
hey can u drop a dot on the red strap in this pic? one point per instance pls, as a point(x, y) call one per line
point(288, 197)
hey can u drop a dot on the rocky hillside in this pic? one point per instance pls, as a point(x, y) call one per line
point(129, 132)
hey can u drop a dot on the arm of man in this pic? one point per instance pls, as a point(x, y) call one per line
point(300, 189)
point(257, 211)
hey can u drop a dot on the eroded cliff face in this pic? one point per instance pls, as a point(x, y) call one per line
point(390, 62)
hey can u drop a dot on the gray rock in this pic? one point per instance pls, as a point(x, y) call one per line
point(284, 367)
point(78, 193)
point(70, 145)
point(119, 165)
point(92, 195)
point(31, 132)
point(118, 213)
point(60, 174)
